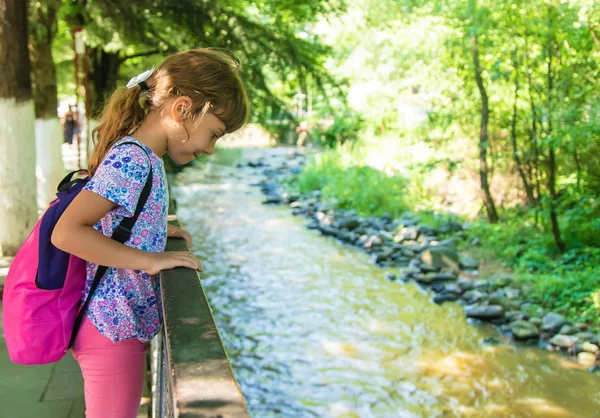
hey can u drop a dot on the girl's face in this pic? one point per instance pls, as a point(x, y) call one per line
point(185, 141)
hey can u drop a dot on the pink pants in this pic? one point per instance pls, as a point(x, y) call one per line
point(113, 373)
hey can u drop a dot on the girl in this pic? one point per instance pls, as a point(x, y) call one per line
point(182, 108)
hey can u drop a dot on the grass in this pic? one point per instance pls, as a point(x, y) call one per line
point(567, 283)
point(351, 184)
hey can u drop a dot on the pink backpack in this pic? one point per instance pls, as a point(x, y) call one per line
point(41, 309)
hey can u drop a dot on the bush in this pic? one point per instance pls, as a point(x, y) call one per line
point(344, 129)
point(340, 175)
point(567, 283)
point(574, 294)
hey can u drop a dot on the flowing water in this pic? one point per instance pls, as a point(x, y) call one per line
point(313, 328)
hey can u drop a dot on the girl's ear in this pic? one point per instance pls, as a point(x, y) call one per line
point(180, 109)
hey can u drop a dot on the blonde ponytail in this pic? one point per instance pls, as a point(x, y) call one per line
point(122, 115)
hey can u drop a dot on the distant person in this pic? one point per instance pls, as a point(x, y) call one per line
point(69, 125)
point(302, 130)
point(192, 99)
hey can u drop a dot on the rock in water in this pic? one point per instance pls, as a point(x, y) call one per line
point(255, 164)
point(586, 359)
point(293, 198)
point(273, 199)
point(445, 297)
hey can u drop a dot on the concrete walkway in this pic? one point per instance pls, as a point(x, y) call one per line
point(48, 391)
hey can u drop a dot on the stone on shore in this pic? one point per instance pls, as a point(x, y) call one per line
point(474, 296)
point(469, 263)
point(553, 322)
point(568, 330)
point(563, 341)
point(523, 330)
point(441, 257)
point(485, 312)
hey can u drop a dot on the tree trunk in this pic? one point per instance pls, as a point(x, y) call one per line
point(553, 198)
point(48, 136)
point(513, 138)
point(552, 152)
point(577, 159)
point(488, 201)
point(595, 36)
point(18, 212)
point(103, 77)
point(535, 160)
point(42, 30)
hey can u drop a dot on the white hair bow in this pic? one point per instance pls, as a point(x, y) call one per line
point(140, 77)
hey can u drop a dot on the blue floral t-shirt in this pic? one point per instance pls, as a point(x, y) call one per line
point(127, 303)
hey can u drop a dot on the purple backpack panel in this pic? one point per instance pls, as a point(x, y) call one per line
point(54, 263)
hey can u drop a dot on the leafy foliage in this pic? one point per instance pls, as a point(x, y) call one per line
point(350, 184)
point(271, 38)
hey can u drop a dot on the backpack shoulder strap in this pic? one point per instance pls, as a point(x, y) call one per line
point(121, 234)
point(67, 182)
point(123, 231)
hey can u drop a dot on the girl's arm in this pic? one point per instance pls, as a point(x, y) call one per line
point(74, 234)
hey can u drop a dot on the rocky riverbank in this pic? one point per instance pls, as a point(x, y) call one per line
point(430, 258)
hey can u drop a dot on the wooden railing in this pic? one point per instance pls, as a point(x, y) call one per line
point(192, 376)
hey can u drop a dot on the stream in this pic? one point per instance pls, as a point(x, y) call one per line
point(313, 328)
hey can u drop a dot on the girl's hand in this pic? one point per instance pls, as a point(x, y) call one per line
point(171, 259)
point(176, 232)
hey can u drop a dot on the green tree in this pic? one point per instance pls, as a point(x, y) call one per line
point(270, 37)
